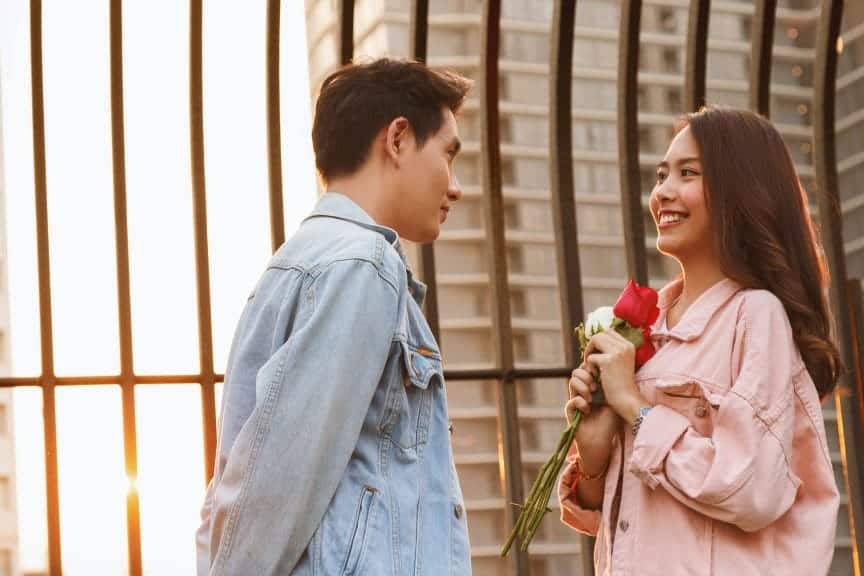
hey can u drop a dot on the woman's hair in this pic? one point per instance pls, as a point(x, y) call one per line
point(764, 236)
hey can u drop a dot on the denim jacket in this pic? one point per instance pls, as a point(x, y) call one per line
point(334, 454)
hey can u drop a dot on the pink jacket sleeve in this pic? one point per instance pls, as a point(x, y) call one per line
point(572, 513)
point(741, 474)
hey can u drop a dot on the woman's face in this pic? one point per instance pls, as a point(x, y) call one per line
point(678, 204)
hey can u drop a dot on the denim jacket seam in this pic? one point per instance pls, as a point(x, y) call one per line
point(260, 432)
point(316, 271)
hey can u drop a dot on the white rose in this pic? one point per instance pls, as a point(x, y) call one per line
point(599, 320)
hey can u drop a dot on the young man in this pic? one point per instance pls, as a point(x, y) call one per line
point(334, 454)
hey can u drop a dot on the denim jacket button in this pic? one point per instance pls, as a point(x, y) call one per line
point(458, 511)
point(450, 428)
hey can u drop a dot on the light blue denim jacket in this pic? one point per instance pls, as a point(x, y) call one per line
point(334, 454)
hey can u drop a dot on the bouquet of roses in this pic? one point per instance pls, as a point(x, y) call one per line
point(632, 317)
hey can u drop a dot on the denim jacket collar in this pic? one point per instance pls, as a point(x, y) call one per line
point(697, 316)
point(335, 205)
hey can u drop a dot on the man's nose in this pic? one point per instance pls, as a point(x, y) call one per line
point(454, 190)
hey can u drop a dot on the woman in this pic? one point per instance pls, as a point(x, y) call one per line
point(712, 459)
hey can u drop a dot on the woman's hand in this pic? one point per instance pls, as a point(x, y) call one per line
point(613, 357)
point(598, 426)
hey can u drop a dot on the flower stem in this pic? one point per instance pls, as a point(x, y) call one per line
point(536, 505)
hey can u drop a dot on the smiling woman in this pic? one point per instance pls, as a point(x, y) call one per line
point(96, 534)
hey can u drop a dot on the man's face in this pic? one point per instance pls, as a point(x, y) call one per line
point(427, 184)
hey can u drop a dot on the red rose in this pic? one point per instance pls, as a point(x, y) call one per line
point(646, 350)
point(637, 305)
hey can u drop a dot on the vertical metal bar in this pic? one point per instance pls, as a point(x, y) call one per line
point(46, 330)
point(199, 202)
point(346, 31)
point(760, 56)
point(856, 315)
point(855, 402)
point(628, 140)
point(561, 174)
point(563, 199)
point(124, 307)
point(419, 29)
point(274, 127)
point(697, 55)
point(509, 450)
point(825, 164)
point(419, 47)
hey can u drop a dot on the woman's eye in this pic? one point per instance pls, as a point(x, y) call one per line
point(660, 177)
point(688, 172)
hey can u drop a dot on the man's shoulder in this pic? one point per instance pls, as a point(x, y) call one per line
point(322, 241)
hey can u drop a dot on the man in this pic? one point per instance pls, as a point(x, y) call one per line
point(334, 454)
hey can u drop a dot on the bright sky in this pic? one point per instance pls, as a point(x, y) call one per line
point(79, 175)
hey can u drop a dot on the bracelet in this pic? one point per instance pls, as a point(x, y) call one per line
point(638, 422)
point(583, 476)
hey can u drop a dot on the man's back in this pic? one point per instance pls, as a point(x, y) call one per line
point(334, 455)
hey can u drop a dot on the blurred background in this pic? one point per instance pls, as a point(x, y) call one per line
point(212, 166)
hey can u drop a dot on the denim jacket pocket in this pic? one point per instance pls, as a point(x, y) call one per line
point(409, 403)
point(422, 365)
point(357, 543)
point(691, 399)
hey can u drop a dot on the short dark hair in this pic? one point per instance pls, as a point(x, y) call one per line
point(358, 100)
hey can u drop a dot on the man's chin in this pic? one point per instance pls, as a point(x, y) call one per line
point(423, 236)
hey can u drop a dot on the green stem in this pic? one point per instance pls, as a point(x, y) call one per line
point(536, 505)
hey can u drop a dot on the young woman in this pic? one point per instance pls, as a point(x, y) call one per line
point(712, 459)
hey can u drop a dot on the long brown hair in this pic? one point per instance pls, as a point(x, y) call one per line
point(763, 233)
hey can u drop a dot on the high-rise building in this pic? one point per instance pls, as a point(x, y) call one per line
point(8, 501)
point(381, 28)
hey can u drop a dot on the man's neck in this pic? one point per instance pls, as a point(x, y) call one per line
point(365, 188)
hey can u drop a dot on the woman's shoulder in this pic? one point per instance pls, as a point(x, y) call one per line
point(764, 328)
point(757, 306)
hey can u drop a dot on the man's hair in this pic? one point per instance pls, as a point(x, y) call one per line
point(358, 100)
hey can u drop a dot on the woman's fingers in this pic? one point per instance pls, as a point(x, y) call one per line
point(577, 403)
point(581, 385)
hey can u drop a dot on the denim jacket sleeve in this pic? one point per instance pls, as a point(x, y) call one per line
point(312, 397)
point(741, 473)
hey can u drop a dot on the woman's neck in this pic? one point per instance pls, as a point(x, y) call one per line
point(698, 277)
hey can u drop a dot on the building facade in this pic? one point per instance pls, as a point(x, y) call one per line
point(455, 34)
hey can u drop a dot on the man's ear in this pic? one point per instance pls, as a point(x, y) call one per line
point(396, 138)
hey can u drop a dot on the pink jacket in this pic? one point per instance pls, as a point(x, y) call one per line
point(730, 472)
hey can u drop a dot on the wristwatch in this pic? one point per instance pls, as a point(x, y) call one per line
point(643, 411)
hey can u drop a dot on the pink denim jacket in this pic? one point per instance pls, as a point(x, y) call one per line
point(729, 473)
